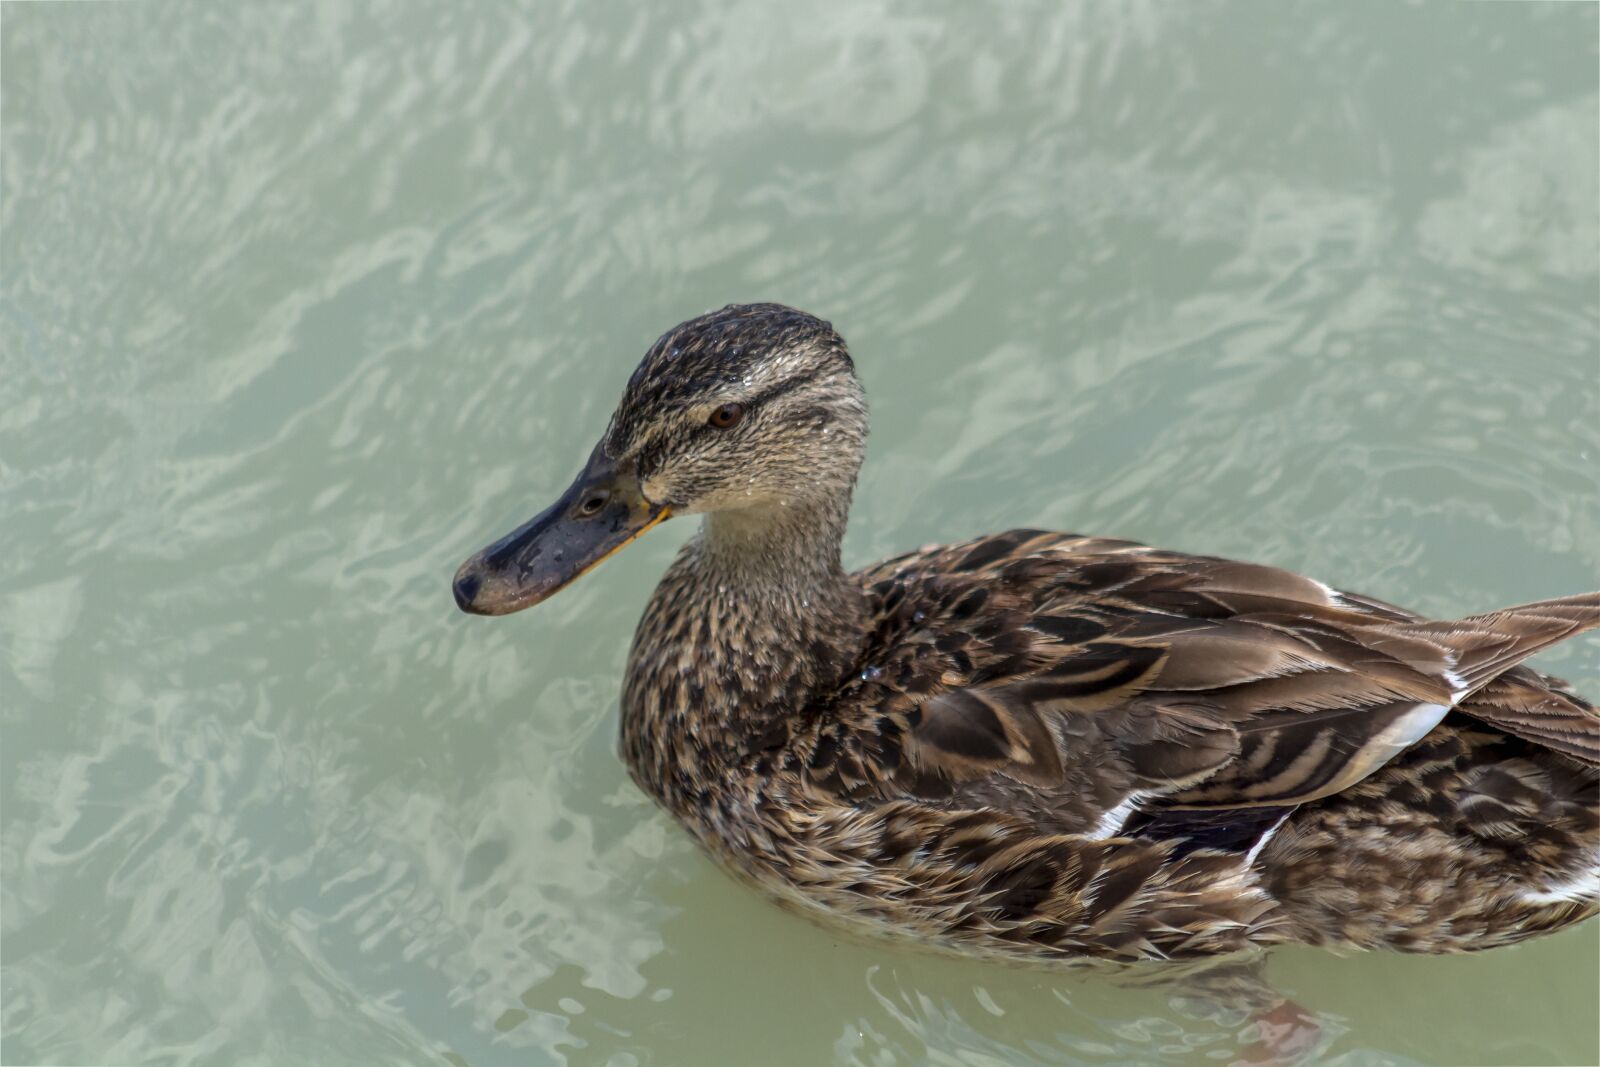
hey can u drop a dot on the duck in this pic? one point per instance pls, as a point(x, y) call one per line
point(1048, 747)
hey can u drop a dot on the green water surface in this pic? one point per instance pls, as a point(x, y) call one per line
point(302, 303)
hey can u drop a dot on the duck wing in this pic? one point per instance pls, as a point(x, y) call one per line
point(1194, 682)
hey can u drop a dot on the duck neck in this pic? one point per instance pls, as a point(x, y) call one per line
point(782, 615)
point(776, 555)
point(754, 620)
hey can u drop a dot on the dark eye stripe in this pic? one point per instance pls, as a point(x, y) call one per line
point(649, 449)
point(777, 390)
point(760, 398)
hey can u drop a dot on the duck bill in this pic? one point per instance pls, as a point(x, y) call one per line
point(602, 510)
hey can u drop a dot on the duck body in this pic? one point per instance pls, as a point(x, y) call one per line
point(1044, 746)
point(1166, 793)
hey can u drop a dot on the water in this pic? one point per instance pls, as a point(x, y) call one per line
point(302, 304)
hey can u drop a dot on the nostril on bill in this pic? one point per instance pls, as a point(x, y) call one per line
point(466, 588)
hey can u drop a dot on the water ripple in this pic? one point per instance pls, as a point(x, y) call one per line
point(301, 303)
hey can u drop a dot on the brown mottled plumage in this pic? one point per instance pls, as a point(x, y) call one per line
point(1044, 746)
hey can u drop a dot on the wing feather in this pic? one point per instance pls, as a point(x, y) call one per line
point(1199, 683)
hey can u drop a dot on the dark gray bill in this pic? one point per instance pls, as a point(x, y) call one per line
point(601, 511)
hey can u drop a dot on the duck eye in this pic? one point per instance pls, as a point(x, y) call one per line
point(726, 416)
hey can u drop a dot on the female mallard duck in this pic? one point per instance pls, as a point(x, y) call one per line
point(1040, 745)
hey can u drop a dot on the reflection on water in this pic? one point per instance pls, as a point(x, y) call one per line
point(302, 301)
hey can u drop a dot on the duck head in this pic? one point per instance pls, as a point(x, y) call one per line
point(751, 415)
